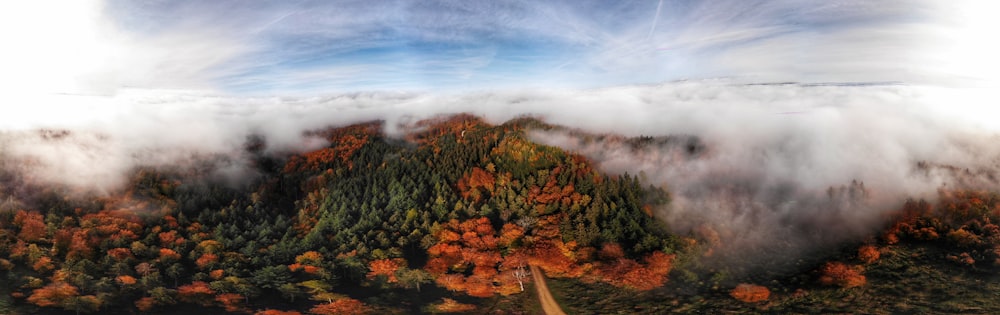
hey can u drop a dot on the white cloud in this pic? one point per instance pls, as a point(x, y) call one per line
point(772, 152)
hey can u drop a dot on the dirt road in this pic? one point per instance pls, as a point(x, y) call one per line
point(549, 305)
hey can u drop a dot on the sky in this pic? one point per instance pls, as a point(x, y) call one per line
point(233, 47)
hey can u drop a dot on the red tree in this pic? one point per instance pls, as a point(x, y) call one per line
point(169, 255)
point(232, 302)
point(868, 254)
point(216, 274)
point(206, 260)
point(385, 267)
point(43, 265)
point(451, 281)
point(32, 225)
point(145, 304)
point(840, 274)
point(345, 306)
point(659, 263)
point(53, 294)
point(167, 238)
point(452, 306)
point(120, 253)
point(750, 293)
point(510, 233)
point(125, 280)
point(197, 292)
point(80, 246)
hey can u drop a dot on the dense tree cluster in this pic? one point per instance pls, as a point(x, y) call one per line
point(963, 221)
point(457, 202)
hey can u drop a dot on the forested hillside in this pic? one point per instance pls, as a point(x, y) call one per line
point(456, 209)
point(449, 216)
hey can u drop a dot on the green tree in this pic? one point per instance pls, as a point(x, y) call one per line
point(271, 277)
point(412, 278)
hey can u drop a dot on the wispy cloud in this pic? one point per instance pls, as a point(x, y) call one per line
point(267, 47)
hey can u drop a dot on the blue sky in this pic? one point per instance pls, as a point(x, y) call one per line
point(345, 45)
point(276, 47)
point(235, 47)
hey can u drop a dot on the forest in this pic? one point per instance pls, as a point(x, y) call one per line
point(459, 204)
point(447, 218)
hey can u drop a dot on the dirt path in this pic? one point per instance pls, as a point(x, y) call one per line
point(549, 305)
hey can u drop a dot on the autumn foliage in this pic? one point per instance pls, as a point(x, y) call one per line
point(750, 293)
point(145, 304)
point(452, 306)
point(344, 143)
point(868, 254)
point(32, 226)
point(475, 183)
point(485, 203)
point(463, 246)
point(963, 220)
point(53, 294)
point(842, 275)
point(309, 262)
point(168, 255)
point(624, 272)
point(435, 128)
point(385, 267)
point(43, 265)
point(197, 292)
point(125, 280)
point(345, 306)
point(230, 301)
point(471, 246)
point(556, 258)
point(119, 253)
point(206, 260)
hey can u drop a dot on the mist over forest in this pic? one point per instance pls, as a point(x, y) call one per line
point(770, 163)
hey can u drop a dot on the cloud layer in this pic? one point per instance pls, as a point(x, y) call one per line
point(781, 171)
